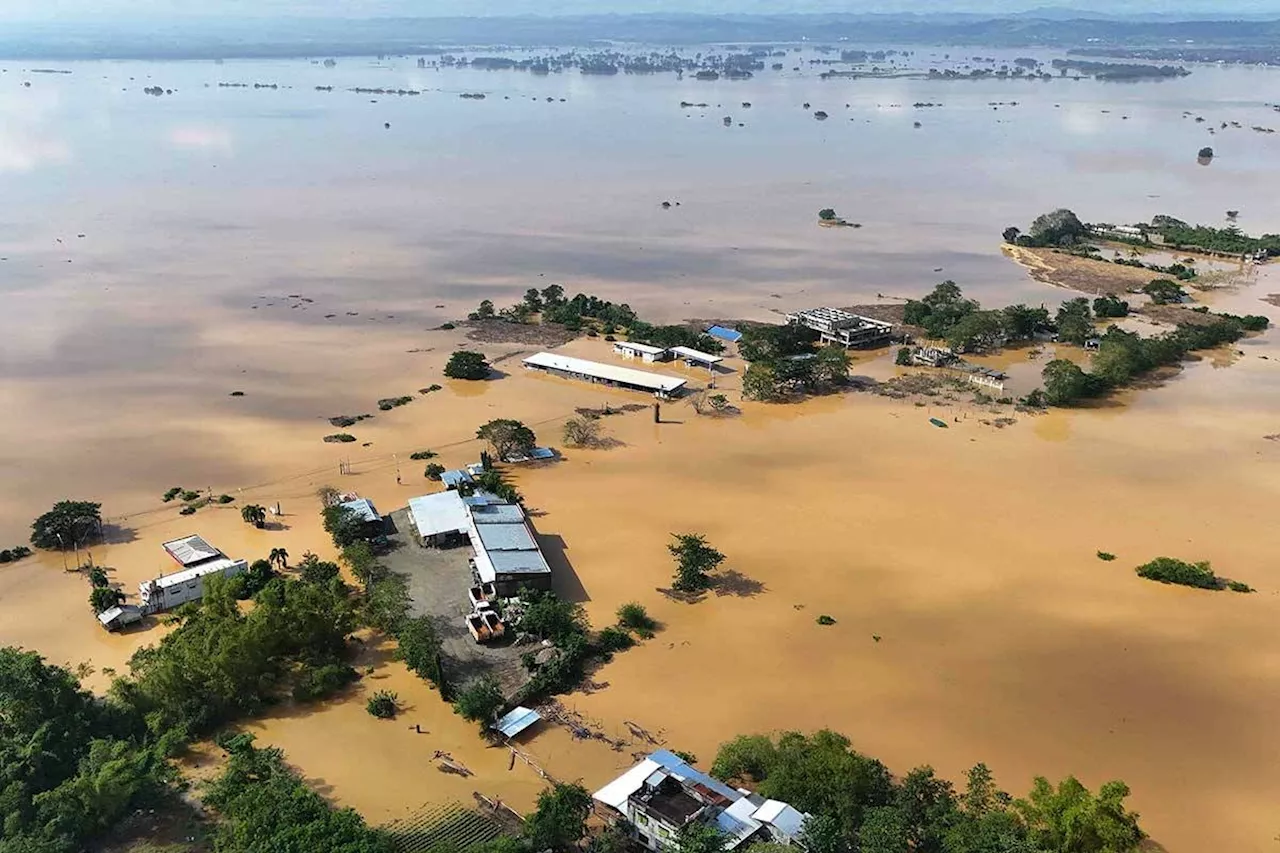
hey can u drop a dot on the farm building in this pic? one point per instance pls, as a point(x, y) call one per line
point(663, 794)
point(644, 352)
point(198, 560)
point(835, 326)
point(658, 384)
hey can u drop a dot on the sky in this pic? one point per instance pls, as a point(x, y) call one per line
point(71, 10)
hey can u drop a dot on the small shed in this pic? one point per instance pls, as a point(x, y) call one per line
point(725, 334)
point(646, 353)
point(115, 618)
point(517, 720)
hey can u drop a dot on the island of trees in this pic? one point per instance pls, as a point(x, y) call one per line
point(1062, 229)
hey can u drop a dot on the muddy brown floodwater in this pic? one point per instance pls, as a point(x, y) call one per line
point(969, 551)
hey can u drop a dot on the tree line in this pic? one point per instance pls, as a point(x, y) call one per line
point(946, 314)
point(786, 362)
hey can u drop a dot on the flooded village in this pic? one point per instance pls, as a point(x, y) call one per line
point(512, 491)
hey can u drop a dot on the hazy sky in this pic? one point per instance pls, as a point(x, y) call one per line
point(65, 10)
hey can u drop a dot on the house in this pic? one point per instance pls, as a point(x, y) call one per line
point(836, 326)
point(644, 352)
point(198, 560)
point(364, 510)
point(660, 385)
point(116, 618)
point(663, 794)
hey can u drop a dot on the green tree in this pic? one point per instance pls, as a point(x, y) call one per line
point(465, 364)
point(533, 299)
point(822, 833)
point(312, 570)
point(1011, 234)
point(253, 514)
point(1074, 321)
point(699, 837)
point(928, 808)
point(255, 578)
point(1164, 291)
point(485, 309)
point(827, 214)
point(1110, 306)
point(560, 819)
point(695, 560)
point(884, 830)
point(383, 704)
point(480, 701)
point(279, 557)
point(1022, 323)
point(760, 382)
point(507, 437)
point(1060, 227)
point(104, 598)
point(98, 577)
point(1064, 383)
point(831, 366)
point(68, 525)
point(977, 331)
point(1170, 570)
point(1068, 818)
point(419, 648)
point(364, 566)
point(549, 617)
point(553, 294)
point(343, 524)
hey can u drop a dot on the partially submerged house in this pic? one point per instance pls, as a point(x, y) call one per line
point(837, 326)
point(363, 509)
point(118, 617)
point(663, 794)
point(646, 353)
point(657, 384)
point(198, 560)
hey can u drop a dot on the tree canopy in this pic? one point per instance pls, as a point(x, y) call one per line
point(507, 437)
point(695, 560)
point(1060, 227)
point(465, 364)
point(68, 525)
point(560, 818)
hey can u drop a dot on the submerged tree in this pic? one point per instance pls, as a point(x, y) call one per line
point(507, 437)
point(68, 525)
point(466, 364)
point(695, 560)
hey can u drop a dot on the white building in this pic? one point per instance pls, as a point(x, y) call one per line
point(658, 384)
point(644, 352)
point(664, 793)
point(198, 560)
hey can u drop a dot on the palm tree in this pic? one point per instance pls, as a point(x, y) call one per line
point(253, 514)
point(279, 556)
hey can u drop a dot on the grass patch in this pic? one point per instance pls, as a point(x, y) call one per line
point(1198, 575)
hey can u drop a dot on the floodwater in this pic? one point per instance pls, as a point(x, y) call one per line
point(969, 551)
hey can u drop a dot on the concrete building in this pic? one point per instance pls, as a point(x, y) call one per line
point(646, 353)
point(660, 385)
point(198, 559)
point(664, 793)
point(835, 326)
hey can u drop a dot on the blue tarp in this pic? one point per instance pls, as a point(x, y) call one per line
point(517, 721)
point(724, 334)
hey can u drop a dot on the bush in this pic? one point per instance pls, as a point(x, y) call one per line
point(171, 494)
point(614, 639)
point(187, 510)
point(384, 705)
point(423, 454)
point(433, 471)
point(903, 358)
point(636, 618)
point(104, 598)
point(386, 404)
point(1237, 586)
point(339, 438)
point(1169, 570)
point(225, 499)
point(322, 681)
point(1106, 557)
point(480, 701)
point(189, 495)
point(447, 326)
point(465, 364)
point(824, 619)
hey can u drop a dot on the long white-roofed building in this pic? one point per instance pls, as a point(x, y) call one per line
point(197, 560)
point(658, 384)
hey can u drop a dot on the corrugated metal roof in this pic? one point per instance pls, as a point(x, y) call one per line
point(617, 792)
point(637, 347)
point(190, 550)
point(516, 721)
point(788, 820)
point(198, 571)
point(518, 563)
point(609, 372)
point(443, 512)
point(696, 355)
point(497, 514)
point(686, 771)
point(505, 537)
point(364, 508)
point(456, 478)
point(725, 334)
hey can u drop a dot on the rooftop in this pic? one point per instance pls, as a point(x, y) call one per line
point(608, 372)
point(190, 550)
point(209, 567)
point(504, 536)
point(497, 514)
point(443, 512)
point(638, 347)
point(456, 478)
point(517, 720)
point(696, 355)
point(363, 507)
point(725, 334)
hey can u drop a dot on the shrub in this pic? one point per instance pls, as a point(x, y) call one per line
point(433, 471)
point(386, 404)
point(104, 598)
point(480, 701)
point(1169, 570)
point(225, 499)
point(318, 682)
point(824, 619)
point(171, 494)
point(635, 617)
point(339, 438)
point(384, 705)
point(1237, 586)
point(189, 495)
point(447, 326)
point(1106, 557)
point(423, 454)
point(187, 510)
point(430, 389)
point(903, 358)
point(614, 639)
point(98, 577)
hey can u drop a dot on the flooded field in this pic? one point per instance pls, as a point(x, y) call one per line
point(286, 244)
